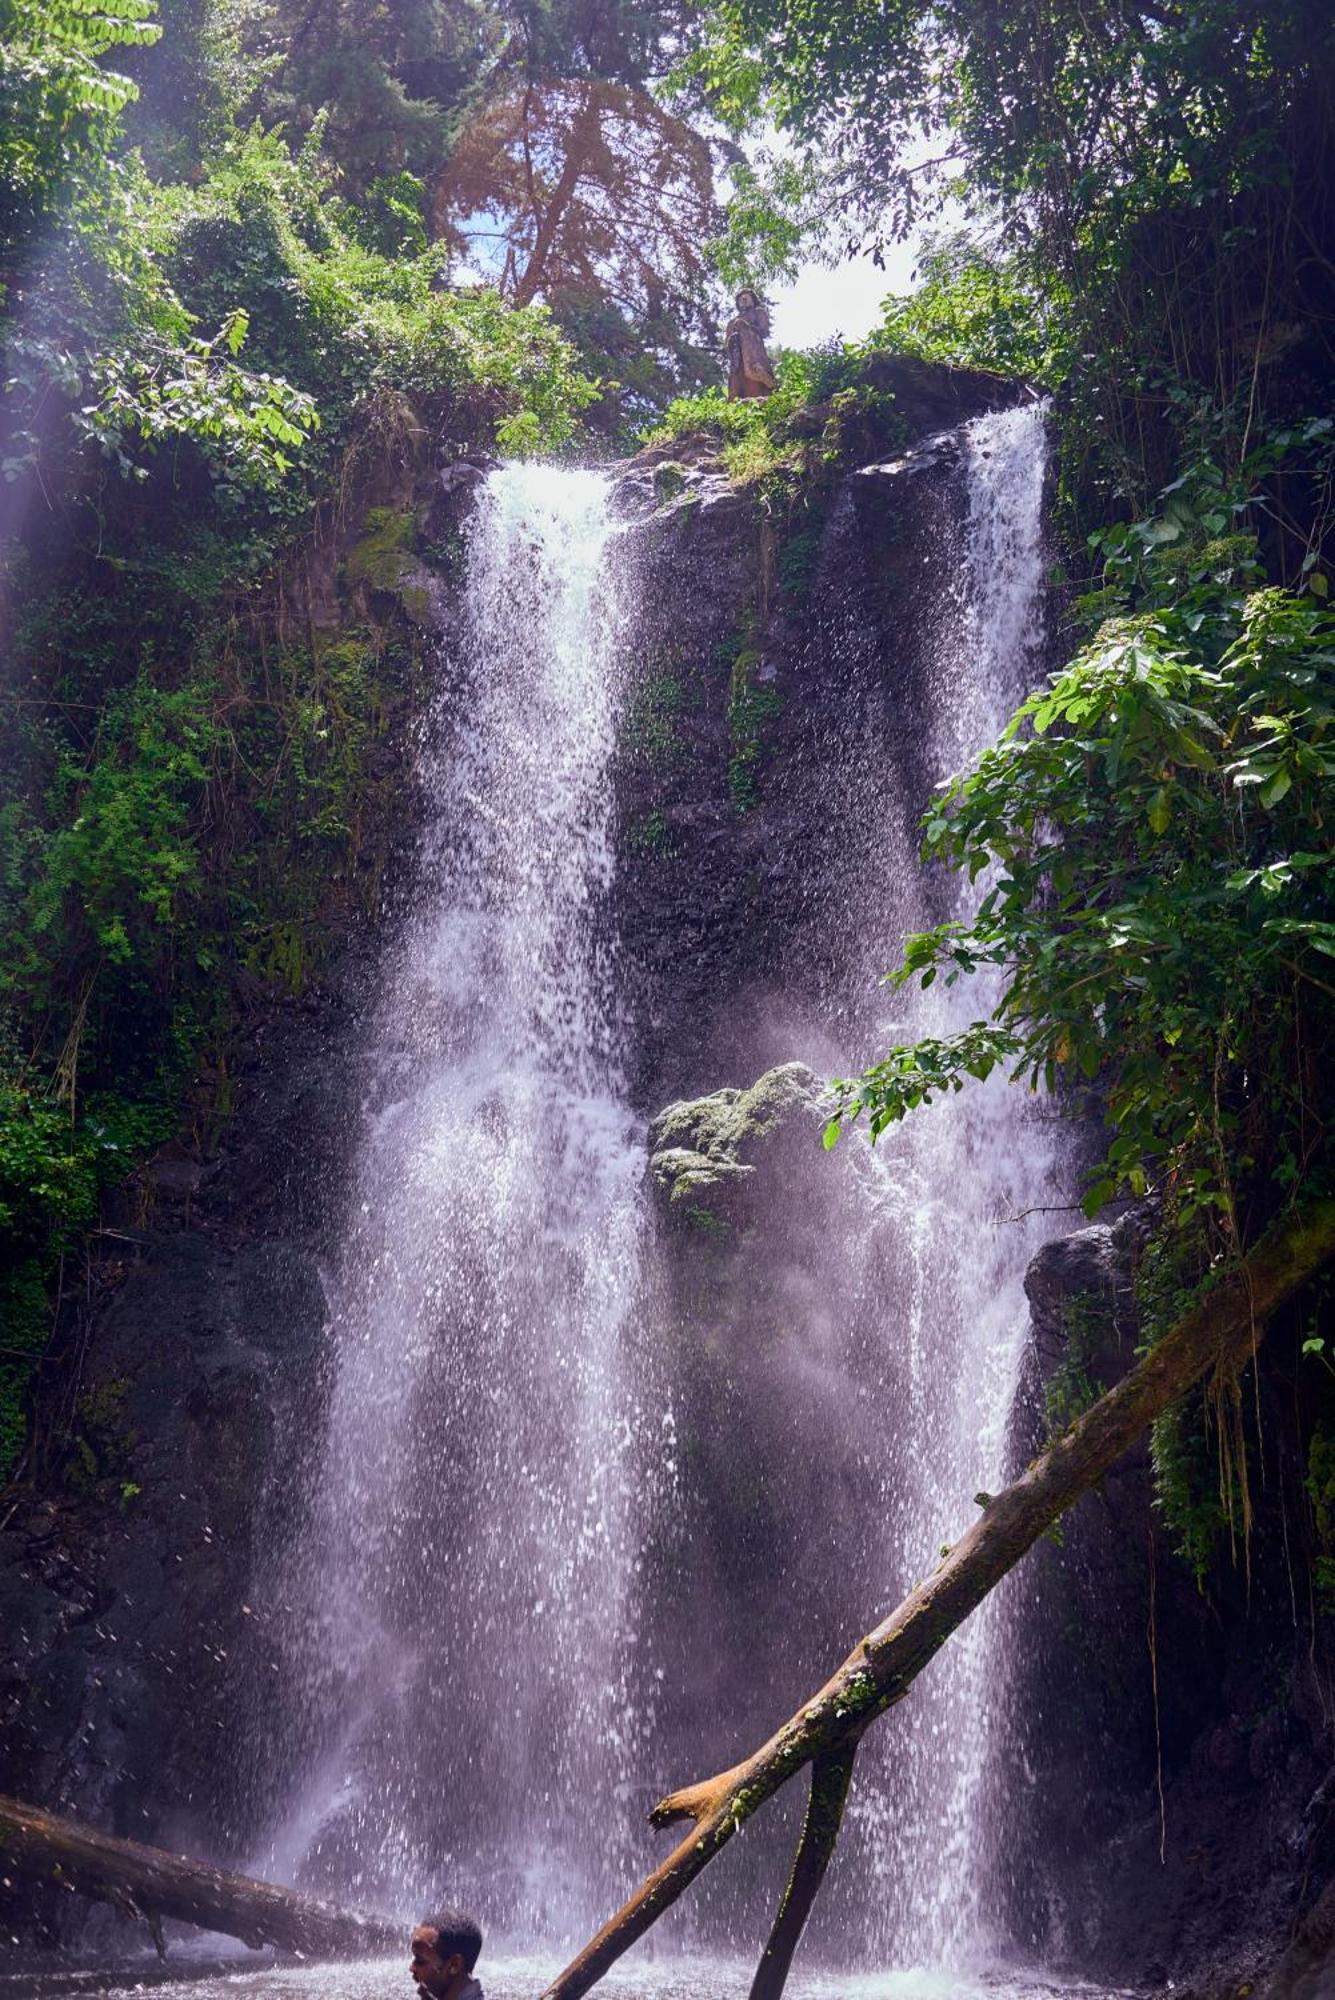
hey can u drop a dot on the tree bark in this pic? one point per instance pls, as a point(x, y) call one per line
point(549, 219)
point(150, 1883)
point(1221, 1331)
point(831, 1775)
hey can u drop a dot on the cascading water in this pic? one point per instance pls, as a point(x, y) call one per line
point(483, 1593)
point(870, 1370)
point(961, 1175)
point(465, 1576)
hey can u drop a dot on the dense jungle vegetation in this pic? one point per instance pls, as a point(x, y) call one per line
point(244, 243)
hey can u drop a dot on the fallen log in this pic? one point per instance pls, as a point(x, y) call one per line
point(1221, 1332)
point(151, 1884)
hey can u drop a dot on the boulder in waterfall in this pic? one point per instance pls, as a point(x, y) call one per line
point(707, 1152)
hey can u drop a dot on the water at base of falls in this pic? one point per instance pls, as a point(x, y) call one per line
point(523, 1978)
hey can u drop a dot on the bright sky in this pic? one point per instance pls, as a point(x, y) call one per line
point(844, 301)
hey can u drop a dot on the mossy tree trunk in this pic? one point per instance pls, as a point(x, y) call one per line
point(150, 1883)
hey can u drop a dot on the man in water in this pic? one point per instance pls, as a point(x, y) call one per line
point(445, 1950)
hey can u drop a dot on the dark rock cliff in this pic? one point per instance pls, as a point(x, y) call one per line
point(184, 1380)
point(1172, 1754)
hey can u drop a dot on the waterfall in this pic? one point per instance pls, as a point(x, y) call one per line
point(965, 1171)
point(464, 1580)
point(498, 1648)
point(866, 1365)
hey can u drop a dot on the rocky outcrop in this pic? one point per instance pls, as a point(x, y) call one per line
point(712, 1157)
point(1131, 1676)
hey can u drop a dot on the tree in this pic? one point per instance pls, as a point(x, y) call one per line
point(59, 105)
point(579, 187)
point(1221, 1332)
point(1168, 162)
point(1154, 824)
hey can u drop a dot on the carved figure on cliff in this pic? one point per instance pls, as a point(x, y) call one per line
point(750, 370)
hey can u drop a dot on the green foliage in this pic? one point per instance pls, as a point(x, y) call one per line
point(823, 401)
point(390, 218)
point(111, 869)
point(751, 704)
point(207, 339)
point(973, 309)
point(1159, 889)
point(55, 1158)
point(306, 325)
point(1072, 1388)
point(773, 214)
point(652, 728)
point(58, 104)
point(1187, 1494)
point(167, 393)
point(1159, 171)
point(25, 1315)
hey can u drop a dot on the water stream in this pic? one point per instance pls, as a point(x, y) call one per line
point(473, 1642)
point(460, 1661)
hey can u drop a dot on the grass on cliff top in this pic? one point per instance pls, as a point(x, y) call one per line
point(822, 413)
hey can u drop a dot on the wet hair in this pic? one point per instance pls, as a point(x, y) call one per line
point(455, 1932)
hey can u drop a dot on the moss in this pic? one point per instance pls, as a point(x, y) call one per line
point(705, 1147)
point(705, 1219)
point(1072, 1388)
point(669, 479)
point(798, 556)
point(1319, 1485)
point(652, 728)
point(25, 1315)
point(448, 558)
point(384, 560)
point(103, 1440)
point(649, 835)
point(752, 703)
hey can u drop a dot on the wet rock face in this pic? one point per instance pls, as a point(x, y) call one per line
point(758, 647)
point(123, 1583)
point(1112, 1879)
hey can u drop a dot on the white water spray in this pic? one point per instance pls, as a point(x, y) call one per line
point(466, 1576)
point(955, 1179)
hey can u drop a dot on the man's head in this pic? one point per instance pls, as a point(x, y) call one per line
point(445, 1950)
point(746, 299)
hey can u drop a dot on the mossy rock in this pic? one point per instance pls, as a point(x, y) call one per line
point(669, 479)
point(383, 560)
point(706, 1151)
